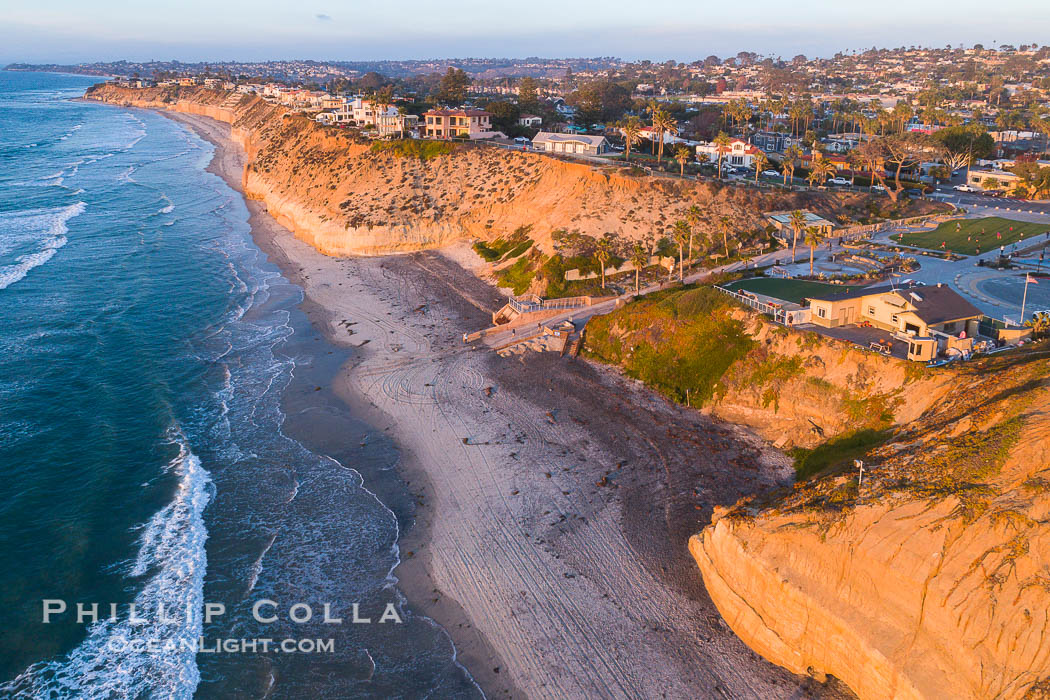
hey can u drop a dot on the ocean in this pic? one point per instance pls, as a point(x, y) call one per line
point(146, 343)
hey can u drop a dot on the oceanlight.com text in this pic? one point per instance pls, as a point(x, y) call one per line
point(200, 645)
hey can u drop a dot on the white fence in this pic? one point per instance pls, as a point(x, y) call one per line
point(786, 317)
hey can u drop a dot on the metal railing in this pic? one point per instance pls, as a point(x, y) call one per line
point(531, 303)
point(774, 312)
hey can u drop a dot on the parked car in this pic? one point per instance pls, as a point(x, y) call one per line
point(964, 188)
point(770, 173)
point(992, 193)
point(878, 188)
point(840, 181)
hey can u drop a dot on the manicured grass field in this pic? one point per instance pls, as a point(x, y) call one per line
point(786, 289)
point(967, 236)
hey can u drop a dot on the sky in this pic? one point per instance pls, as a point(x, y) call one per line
point(72, 31)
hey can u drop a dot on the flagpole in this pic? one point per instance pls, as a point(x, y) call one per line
point(1024, 297)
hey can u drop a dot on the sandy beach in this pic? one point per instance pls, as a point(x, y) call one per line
point(554, 499)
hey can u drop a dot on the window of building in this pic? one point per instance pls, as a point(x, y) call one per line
point(871, 310)
point(822, 312)
point(894, 318)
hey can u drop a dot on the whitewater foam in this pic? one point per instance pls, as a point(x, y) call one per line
point(44, 228)
point(172, 553)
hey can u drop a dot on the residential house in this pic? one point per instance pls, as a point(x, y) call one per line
point(934, 320)
point(365, 113)
point(570, 143)
point(459, 123)
point(841, 161)
point(992, 179)
point(773, 141)
point(648, 133)
point(396, 124)
point(531, 121)
point(332, 102)
point(740, 153)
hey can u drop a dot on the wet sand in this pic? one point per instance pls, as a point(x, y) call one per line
point(552, 498)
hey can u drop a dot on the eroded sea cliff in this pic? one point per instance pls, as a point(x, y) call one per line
point(928, 578)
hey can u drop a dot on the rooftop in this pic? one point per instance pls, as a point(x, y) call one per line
point(933, 304)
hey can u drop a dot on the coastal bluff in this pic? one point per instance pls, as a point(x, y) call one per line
point(930, 578)
point(346, 195)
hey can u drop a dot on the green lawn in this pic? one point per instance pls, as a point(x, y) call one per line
point(786, 289)
point(972, 233)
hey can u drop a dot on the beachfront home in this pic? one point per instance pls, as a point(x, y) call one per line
point(396, 124)
point(739, 154)
point(332, 102)
point(570, 143)
point(365, 113)
point(934, 320)
point(459, 123)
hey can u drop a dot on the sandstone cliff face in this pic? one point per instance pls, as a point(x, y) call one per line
point(333, 192)
point(932, 578)
point(798, 389)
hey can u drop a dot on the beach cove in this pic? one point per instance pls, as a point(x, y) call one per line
point(551, 517)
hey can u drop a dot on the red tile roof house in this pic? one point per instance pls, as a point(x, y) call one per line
point(740, 153)
point(459, 123)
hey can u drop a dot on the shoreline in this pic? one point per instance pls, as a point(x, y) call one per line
point(551, 516)
point(343, 412)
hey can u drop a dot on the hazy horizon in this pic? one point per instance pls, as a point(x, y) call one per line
point(66, 32)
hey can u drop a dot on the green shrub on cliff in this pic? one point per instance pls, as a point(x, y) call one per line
point(519, 275)
point(413, 148)
point(505, 248)
point(680, 342)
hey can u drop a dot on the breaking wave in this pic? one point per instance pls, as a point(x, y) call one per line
point(172, 554)
point(42, 229)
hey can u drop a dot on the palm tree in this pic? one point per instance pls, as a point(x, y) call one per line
point(694, 216)
point(682, 155)
point(814, 238)
point(722, 143)
point(401, 113)
point(381, 102)
point(652, 108)
point(1039, 323)
point(792, 155)
point(824, 169)
point(602, 252)
point(726, 225)
point(639, 259)
point(797, 221)
point(761, 163)
point(631, 128)
point(663, 124)
point(681, 237)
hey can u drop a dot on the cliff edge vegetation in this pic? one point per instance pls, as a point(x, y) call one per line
point(927, 578)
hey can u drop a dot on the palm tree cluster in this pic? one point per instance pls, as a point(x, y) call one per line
point(662, 123)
